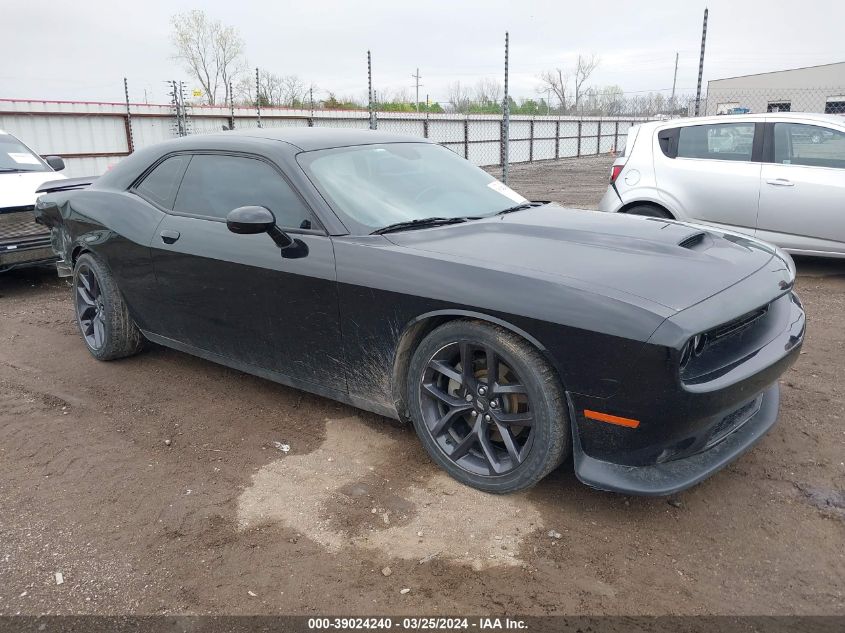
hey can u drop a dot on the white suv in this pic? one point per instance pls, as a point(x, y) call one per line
point(22, 171)
point(777, 176)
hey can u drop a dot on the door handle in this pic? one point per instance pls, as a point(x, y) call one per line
point(168, 237)
point(780, 182)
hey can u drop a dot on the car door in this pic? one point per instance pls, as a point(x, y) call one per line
point(710, 172)
point(240, 298)
point(802, 195)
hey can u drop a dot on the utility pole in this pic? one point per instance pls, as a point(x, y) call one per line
point(417, 77)
point(701, 65)
point(674, 83)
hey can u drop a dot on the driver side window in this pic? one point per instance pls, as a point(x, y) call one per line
point(215, 184)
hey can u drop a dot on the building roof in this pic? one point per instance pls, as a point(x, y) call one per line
point(783, 70)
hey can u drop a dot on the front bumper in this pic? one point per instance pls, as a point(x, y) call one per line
point(674, 476)
point(688, 429)
point(29, 252)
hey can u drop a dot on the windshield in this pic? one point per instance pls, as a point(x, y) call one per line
point(15, 156)
point(379, 185)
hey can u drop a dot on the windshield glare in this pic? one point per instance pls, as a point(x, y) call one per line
point(379, 185)
point(16, 156)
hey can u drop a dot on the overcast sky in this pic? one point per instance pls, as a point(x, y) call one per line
point(82, 50)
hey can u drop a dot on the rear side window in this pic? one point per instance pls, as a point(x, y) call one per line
point(216, 184)
point(161, 183)
point(721, 141)
point(809, 145)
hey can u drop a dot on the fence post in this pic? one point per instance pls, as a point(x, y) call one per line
point(130, 142)
point(506, 119)
point(466, 137)
point(616, 137)
point(557, 139)
point(311, 100)
point(531, 141)
point(579, 138)
point(372, 113)
point(231, 107)
point(257, 96)
point(598, 139)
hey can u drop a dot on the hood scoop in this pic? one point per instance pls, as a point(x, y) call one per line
point(693, 241)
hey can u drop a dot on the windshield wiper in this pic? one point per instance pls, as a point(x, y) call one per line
point(418, 224)
point(524, 205)
point(13, 170)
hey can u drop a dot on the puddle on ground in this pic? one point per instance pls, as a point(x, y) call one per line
point(349, 493)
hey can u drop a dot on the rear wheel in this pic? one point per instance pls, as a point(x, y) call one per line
point(101, 314)
point(487, 406)
point(649, 210)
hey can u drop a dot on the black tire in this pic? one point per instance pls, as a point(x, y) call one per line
point(650, 211)
point(531, 452)
point(101, 314)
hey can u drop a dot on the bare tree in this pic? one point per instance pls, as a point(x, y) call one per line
point(293, 91)
point(488, 92)
point(211, 52)
point(584, 68)
point(555, 81)
point(610, 100)
point(459, 99)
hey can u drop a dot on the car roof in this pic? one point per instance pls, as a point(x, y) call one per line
point(753, 117)
point(310, 138)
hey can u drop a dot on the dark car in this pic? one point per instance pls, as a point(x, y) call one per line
point(389, 273)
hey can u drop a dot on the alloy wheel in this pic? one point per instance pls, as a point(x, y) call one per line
point(90, 307)
point(477, 409)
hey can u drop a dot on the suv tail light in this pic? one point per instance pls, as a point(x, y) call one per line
point(614, 172)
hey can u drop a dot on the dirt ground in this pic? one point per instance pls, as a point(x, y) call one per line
point(158, 484)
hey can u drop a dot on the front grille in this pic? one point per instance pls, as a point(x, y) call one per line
point(737, 324)
point(20, 224)
point(733, 421)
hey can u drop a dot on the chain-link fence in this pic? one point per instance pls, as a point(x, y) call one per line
point(93, 136)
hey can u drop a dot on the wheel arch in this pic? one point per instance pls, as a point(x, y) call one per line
point(647, 203)
point(419, 327)
point(76, 252)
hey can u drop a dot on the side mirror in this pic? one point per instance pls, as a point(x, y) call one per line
point(254, 220)
point(250, 220)
point(57, 163)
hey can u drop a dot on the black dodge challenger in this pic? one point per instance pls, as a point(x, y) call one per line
point(387, 272)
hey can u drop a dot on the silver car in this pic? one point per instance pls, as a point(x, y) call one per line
point(779, 177)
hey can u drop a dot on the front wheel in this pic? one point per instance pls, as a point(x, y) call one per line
point(487, 406)
point(101, 314)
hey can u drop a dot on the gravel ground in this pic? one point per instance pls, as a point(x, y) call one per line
point(158, 484)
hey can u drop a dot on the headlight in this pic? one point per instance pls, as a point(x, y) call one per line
point(698, 343)
point(692, 348)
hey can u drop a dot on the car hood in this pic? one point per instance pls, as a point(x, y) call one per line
point(18, 189)
point(669, 263)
